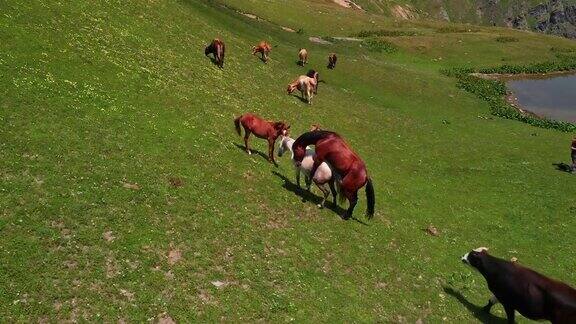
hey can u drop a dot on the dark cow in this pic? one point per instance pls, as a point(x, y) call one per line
point(521, 289)
point(332, 58)
point(217, 48)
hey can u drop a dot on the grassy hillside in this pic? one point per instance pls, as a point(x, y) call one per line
point(124, 194)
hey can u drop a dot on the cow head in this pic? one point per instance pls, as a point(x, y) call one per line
point(474, 257)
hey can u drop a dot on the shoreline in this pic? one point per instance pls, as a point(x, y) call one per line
point(520, 76)
point(511, 98)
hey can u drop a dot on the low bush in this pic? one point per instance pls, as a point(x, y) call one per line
point(379, 45)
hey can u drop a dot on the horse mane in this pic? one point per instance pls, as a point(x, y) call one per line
point(310, 138)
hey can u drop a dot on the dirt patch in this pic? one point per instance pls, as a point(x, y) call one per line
point(176, 182)
point(127, 294)
point(112, 269)
point(108, 236)
point(132, 186)
point(288, 29)
point(348, 39)
point(319, 40)
point(348, 4)
point(164, 318)
point(249, 15)
point(404, 13)
point(432, 230)
point(174, 255)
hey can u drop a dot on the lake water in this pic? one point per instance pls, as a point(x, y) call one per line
point(552, 96)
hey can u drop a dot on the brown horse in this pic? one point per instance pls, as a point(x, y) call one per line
point(302, 57)
point(264, 48)
point(262, 129)
point(332, 149)
point(217, 48)
point(332, 58)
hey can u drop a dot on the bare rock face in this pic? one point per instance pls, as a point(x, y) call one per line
point(554, 17)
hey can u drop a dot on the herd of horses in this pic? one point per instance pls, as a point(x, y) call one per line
point(335, 168)
point(331, 163)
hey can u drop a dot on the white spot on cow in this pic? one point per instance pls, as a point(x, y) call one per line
point(481, 249)
point(465, 258)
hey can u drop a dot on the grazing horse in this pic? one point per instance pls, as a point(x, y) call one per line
point(332, 58)
point(217, 48)
point(322, 176)
point(261, 128)
point(316, 76)
point(306, 85)
point(331, 148)
point(302, 57)
point(264, 48)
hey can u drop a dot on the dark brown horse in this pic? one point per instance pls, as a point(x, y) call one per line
point(348, 166)
point(332, 58)
point(261, 128)
point(217, 48)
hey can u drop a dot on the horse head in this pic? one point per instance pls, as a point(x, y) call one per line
point(292, 87)
point(208, 50)
point(315, 127)
point(283, 145)
point(281, 128)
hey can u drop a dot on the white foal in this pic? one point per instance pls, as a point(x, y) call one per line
point(322, 176)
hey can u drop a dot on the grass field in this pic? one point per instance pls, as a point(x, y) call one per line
point(124, 194)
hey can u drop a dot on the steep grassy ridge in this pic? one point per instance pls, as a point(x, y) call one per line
point(124, 194)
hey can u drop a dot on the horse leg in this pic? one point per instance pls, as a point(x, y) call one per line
point(298, 177)
point(352, 197)
point(271, 151)
point(333, 189)
point(308, 180)
point(326, 193)
point(246, 136)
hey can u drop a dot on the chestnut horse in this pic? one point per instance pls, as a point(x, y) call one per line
point(264, 48)
point(217, 48)
point(332, 58)
point(332, 149)
point(262, 129)
point(302, 57)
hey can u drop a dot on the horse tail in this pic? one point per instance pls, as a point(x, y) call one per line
point(237, 125)
point(371, 199)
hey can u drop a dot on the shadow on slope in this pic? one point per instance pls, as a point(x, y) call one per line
point(476, 311)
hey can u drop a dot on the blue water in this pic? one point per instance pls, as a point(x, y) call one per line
point(553, 97)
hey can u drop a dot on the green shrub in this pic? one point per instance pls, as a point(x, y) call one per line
point(507, 39)
point(384, 32)
point(455, 29)
point(379, 45)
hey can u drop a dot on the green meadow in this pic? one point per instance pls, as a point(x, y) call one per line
point(125, 193)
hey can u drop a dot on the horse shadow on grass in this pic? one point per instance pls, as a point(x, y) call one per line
point(300, 98)
point(254, 151)
point(477, 311)
point(214, 61)
point(309, 196)
point(561, 166)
